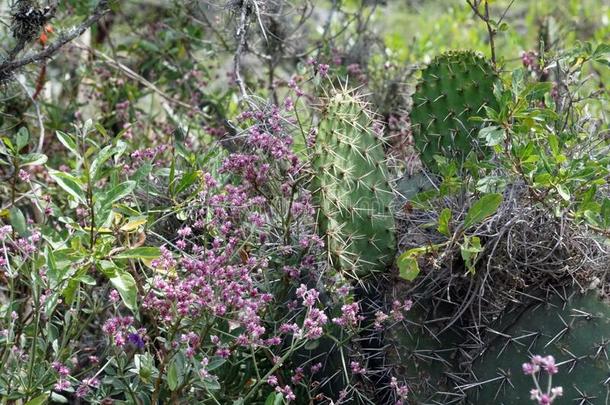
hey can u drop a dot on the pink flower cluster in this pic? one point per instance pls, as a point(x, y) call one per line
point(64, 372)
point(349, 316)
point(534, 367)
point(215, 277)
point(117, 328)
point(396, 313)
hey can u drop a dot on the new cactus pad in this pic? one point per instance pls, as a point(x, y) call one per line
point(454, 87)
point(351, 188)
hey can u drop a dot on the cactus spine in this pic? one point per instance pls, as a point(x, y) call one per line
point(456, 86)
point(351, 188)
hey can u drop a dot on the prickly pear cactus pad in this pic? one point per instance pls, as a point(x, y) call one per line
point(574, 329)
point(412, 184)
point(428, 360)
point(453, 87)
point(351, 188)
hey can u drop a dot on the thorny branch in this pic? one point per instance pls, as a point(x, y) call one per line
point(9, 66)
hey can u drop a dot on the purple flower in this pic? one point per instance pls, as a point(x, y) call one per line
point(529, 368)
point(349, 315)
point(272, 380)
point(5, 231)
point(62, 385)
point(136, 340)
point(549, 365)
point(323, 69)
point(24, 176)
point(357, 368)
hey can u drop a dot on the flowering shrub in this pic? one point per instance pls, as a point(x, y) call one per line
point(158, 239)
point(223, 310)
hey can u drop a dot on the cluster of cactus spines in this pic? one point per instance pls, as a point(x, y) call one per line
point(415, 349)
point(454, 87)
point(574, 329)
point(351, 188)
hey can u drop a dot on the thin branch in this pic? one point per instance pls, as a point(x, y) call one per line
point(240, 34)
point(485, 18)
point(7, 67)
point(210, 25)
point(492, 33)
point(135, 76)
point(38, 114)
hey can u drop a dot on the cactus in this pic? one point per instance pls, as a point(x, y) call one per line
point(453, 88)
point(351, 188)
point(574, 329)
point(412, 184)
point(428, 360)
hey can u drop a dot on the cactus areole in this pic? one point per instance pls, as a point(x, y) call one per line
point(351, 188)
point(454, 87)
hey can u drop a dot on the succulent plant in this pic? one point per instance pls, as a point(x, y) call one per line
point(428, 360)
point(454, 87)
point(351, 188)
point(410, 185)
point(573, 328)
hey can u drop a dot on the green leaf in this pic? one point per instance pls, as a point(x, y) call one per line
point(215, 362)
point(275, 398)
point(186, 181)
point(125, 284)
point(32, 159)
point(134, 223)
point(553, 144)
point(312, 344)
point(86, 279)
point(491, 184)
point(68, 142)
point(563, 192)
point(602, 54)
point(211, 383)
point(470, 250)
point(172, 376)
point(6, 142)
point(443, 222)
point(484, 207)
point(146, 252)
point(22, 138)
point(537, 90)
point(118, 192)
point(517, 81)
point(39, 400)
point(493, 135)
point(408, 268)
point(101, 129)
point(101, 158)
point(18, 221)
point(605, 212)
point(70, 184)
point(70, 291)
point(56, 398)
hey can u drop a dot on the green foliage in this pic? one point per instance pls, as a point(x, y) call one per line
point(351, 187)
point(454, 87)
point(482, 208)
point(537, 143)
